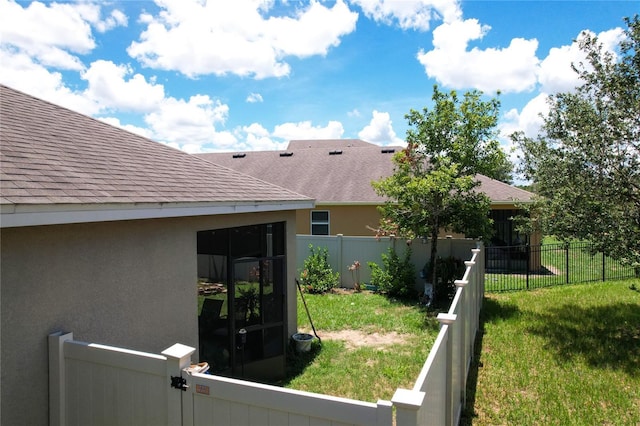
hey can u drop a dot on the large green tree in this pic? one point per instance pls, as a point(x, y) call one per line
point(585, 164)
point(434, 185)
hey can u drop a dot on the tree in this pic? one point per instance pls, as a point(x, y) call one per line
point(586, 161)
point(434, 183)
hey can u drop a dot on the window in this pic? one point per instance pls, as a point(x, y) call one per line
point(320, 222)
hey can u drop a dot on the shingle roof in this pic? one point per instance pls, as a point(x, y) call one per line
point(50, 155)
point(336, 171)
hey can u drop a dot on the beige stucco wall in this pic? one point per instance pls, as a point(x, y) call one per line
point(353, 220)
point(346, 220)
point(129, 284)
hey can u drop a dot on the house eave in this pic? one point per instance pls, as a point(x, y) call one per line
point(349, 203)
point(19, 215)
point(510, 202)
point(378, 203)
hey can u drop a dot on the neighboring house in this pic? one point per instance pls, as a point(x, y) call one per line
point(338, 175)
point(121, 240)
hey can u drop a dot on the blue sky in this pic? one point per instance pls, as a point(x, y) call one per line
point(252, 75)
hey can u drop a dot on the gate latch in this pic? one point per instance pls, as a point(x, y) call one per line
point(179, 382)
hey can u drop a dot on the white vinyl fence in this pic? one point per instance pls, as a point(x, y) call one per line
point(103, 385)
point(439, 394)
point(344, 250)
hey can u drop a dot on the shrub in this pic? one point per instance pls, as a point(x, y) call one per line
point(317, 275)
point(448, 270)
point(397, 279)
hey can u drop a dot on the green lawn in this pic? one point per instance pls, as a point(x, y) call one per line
point(368, 372)
point(560, 356)
point(567, 355)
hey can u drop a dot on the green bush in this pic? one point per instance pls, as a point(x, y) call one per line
point(449, 269)
point(397, 278)
point(317, 275)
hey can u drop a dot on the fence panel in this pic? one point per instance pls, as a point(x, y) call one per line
point(344, 250)
point(92, 384)
point(439, 394)
point(220, 400)
point(529, 267)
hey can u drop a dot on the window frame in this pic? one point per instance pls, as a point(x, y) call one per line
point(323, 222)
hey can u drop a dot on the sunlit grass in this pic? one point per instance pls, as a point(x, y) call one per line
point(364, 311)
point(565, 355)
point(365, 373)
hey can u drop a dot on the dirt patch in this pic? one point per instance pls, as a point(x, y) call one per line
point(355, 338)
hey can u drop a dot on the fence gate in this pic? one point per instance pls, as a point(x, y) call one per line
point(92, 384)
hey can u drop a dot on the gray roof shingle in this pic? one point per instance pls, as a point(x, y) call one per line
point(52, 155)
point(337, 171)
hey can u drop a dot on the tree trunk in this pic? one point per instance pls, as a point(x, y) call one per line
point(434, 253)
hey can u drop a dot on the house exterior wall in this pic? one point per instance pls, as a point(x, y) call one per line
point(343, 219)
point(353, 220)
point(128, 283)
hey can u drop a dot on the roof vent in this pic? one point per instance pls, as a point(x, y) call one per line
point(388, 150)
point(241, 155)
point(286, 154)
point(336, 152)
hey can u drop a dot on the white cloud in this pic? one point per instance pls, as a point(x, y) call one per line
point(54, 25)
point(190, 124)
point(20, 72)
point(528, 120)
point(253, 142)
point(254, 97)
point(305, 130)
point(510, 69)
point(234, 37)
point(115, 19)
point(107, 84)
point(353, 113)
point(556, 74)
point(53, 32)
point(380, 130)
point(142, 131)
point(256, 129)
point(410, 14)
point(312, 31)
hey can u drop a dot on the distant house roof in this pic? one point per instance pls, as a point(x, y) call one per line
point(59, 166)
point(337, 171)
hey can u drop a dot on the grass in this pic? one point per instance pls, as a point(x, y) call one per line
point(364, 373)
point(560, 356)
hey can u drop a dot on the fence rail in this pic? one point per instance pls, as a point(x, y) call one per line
point(525, 267)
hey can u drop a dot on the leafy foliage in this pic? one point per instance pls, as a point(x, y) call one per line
point(449, 269)
point(397, 278)
point(434, 185)
point(317, 275)
point(586, 164)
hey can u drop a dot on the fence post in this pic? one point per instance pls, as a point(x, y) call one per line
point(466, 316)
point(57, 379)
point(528, 254)
point(178, 358)
point(448, 320)
point(407, 403)
point(339, 243)
point(566, 259)
point(603, 263)
point(385, 413)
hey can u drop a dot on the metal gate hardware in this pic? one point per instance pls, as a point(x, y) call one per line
point(179, 382)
